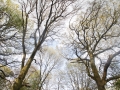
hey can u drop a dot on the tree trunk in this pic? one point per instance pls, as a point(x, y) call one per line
point(101, 87)
point(18, 83)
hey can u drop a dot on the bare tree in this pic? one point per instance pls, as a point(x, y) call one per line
point(94, 40)
point(47, 15)
point(78, 78)
point(48, 61)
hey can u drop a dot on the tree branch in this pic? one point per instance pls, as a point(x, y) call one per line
point(113, 78)
point(108, 64)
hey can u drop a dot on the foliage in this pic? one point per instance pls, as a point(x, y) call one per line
point(10, 15)
point(32, 82)
point(4, 73)
point(14, 14)
point(7, 72)
point(117, 84)
point(10, 24)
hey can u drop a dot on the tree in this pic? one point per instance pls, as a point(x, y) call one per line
point(78, 78)
point(47, 15)
point(94, 40)
point(60, 80)
point(40, 78)
point(31, 81)
point(48, 61)
point(114, 69)
point(10, 25)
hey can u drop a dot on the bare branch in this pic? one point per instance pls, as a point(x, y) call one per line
point(113, 78)
point(108, 64)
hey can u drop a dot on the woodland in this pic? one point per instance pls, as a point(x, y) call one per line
point(59, 45)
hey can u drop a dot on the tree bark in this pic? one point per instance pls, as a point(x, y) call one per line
point(18, 83)
point(101, 87)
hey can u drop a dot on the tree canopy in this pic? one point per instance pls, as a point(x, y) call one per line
point(59, 44)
